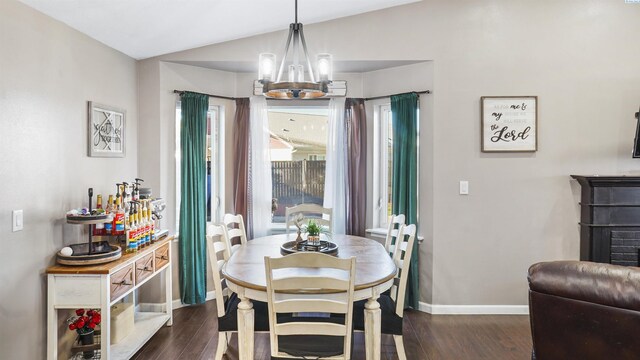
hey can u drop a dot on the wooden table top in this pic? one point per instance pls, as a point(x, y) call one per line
point(109, 267)
point(246, 266)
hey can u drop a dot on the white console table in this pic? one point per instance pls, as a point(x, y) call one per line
point(101, 286)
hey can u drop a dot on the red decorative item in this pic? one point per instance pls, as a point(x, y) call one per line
point(85, 321)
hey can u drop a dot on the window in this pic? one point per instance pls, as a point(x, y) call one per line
point(215, 163)
point(298, 148)
point(383, 165)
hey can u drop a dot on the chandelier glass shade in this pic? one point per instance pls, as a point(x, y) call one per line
point(277, 83)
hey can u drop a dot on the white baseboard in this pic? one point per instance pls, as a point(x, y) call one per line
point(424, 307)
point(436, 309)
point(177, 303)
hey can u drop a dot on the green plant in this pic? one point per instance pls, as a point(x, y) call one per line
point(313, 229)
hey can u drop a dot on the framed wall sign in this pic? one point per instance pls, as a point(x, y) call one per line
point(106, 131)
point(509, 123)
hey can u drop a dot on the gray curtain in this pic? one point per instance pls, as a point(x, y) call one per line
point(241, 161)
point(356, 122)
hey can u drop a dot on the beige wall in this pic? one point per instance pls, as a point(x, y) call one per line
point(576, 56)
point(417, 77)
point(48, 72)
point(157, 136)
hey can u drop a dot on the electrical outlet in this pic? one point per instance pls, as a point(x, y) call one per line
point(464, 187)
point(17, 220)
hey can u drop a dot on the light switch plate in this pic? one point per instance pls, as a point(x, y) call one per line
point(17, 220)
point(464, 187)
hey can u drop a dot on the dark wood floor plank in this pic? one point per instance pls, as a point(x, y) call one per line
point(426, 337)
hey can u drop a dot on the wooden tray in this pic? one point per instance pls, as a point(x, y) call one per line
point(326, 247)
point(89, 219)
point(104, 253)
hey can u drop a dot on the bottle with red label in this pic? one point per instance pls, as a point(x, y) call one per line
point(108, 227)
point(118, 219)
point(98, 230)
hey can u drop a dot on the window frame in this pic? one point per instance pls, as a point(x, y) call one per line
point(381, 117)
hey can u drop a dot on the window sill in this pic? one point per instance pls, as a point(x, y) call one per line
point(381, 233)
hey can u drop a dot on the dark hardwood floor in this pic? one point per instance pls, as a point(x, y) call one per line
point(194, 335)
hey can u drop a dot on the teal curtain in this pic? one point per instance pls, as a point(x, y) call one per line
point(404, 191)
point(193, 208)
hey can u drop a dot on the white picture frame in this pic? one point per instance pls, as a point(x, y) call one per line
point(509, 123)
point(107, 131)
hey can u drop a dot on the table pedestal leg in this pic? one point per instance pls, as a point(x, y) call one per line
point(372, 323)
point(245, 328)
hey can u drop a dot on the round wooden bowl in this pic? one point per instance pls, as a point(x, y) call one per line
point(103, 253)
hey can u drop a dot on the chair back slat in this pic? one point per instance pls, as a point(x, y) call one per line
point(310, 306)
point(395, 222)
point(323, 214)
point(310, 283)
point(310, 260)
point(235, 230)
point(402, 259)
point(319, 284)
point(217, 248)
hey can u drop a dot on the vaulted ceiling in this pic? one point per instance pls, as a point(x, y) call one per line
point(147, 28)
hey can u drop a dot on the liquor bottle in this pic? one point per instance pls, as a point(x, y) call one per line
point(141, 243)
point(142, 226)
point(134, 232)
point(152, 224)
point(99, 228)
point(119, 218)
point(108, 227)
point(127, 236)
point(147, 228)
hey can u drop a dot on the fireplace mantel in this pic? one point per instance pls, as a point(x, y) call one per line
point(610, 219)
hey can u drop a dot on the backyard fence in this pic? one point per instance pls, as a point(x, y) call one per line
point(296, 182)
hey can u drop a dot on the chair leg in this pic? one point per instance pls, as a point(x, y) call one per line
point(399, 347)
point(223, 339)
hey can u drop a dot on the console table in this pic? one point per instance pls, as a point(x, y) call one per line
point(610, 219)
point(101, 286)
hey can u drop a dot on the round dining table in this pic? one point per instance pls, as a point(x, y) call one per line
point(245, 275)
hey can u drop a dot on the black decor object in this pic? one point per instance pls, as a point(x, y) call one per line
point(636, 141)
point(610, 219)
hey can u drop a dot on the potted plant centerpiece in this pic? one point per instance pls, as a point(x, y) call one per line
point(313, 233)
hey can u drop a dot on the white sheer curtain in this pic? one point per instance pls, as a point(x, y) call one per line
point(259, 168)
point(335, 183)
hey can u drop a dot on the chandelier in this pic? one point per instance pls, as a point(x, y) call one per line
point(317, 84)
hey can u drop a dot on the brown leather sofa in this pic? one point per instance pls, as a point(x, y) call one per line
point(583, 310)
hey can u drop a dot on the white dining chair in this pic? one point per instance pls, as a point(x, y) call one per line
point(319, 288)
point(392, 303)
point(395, 221)
point(235, 230)
point(321, 215)
point(227, 301)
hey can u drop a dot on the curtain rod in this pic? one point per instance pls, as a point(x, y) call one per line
point(409, 92)
point(366, 99)
point(180, 92)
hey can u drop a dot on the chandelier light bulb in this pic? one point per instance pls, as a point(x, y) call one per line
point(324, 67)
point(267, 66)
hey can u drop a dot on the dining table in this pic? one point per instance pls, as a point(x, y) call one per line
point(245, 275)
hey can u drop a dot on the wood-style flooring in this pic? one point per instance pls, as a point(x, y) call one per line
point(194, 335)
